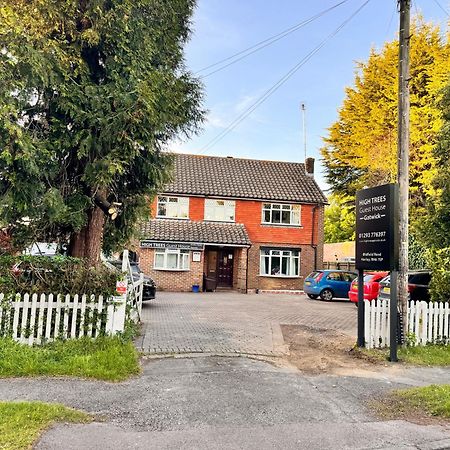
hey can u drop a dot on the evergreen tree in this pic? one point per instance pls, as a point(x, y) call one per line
point(361, 147)
point(91, 92)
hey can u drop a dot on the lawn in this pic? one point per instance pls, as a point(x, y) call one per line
point(21, 423)
point(415, 404)
point(421, 355)
point(103, 358)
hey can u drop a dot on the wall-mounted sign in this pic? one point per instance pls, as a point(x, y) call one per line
point(196, 256)
point(172, 245)
point(377, 228)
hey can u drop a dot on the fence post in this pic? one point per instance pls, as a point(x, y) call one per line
point(117, 321)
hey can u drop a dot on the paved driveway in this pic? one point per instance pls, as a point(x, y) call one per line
point(230, 323)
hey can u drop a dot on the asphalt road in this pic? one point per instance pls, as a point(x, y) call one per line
point(225, 403)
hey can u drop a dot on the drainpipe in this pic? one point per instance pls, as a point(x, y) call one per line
point(246, 272)
point(313, 245)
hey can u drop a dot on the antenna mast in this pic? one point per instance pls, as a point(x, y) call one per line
point(303, 107)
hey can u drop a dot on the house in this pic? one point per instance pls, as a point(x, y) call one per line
point(242, 224)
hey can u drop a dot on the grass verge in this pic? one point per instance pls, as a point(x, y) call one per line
point(427, 355)
point(416, 404)
point(21, 423)
point(103, 358)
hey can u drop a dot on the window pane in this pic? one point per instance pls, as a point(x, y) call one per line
point(265, 265)
point(266, 206)
point(295, 217)
point(161, 209)
point(276, 265)
point(286, 217)
point(295, 266)
point(172, 260)
point(276, 252)
point(267, 216)
point(173, 199)
point(276, 217)
point(276, 206)
point(159, 260)
point(287, 207)
point(285, 266)
point(286, 253)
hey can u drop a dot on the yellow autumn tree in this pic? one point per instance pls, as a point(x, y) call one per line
point(360, 148)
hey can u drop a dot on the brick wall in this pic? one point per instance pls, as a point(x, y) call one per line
point(170, 280)
point(240, 269)
point(256, 281)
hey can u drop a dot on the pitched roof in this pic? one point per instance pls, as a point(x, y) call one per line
point(243, 178)
point(201, 232)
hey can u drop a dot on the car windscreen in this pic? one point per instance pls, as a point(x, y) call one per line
point(420, 278)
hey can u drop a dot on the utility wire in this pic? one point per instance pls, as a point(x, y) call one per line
point(443, 9)
point(279, 83)
point(265, 43)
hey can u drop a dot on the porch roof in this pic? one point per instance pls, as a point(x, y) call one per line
point(201, 232)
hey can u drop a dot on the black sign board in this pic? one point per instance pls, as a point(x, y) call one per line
point(172, 245)
point(377, 228)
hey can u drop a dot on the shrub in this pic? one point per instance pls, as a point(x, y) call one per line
point(58, 274)
point(439, 263)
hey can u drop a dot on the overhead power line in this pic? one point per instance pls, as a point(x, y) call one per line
point(264, 43)
point(443, 9)
point(279, 83)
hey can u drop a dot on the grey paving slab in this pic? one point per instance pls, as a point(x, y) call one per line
point(229, 322)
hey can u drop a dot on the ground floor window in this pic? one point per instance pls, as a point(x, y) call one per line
point(280, 262)
point(172, 259)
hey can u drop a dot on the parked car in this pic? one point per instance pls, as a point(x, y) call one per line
point(371, 286)
point(328, 284)
point(149, 285)
point(418, 286)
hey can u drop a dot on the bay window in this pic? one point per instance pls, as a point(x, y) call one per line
point(280, 262)
point(171, 259)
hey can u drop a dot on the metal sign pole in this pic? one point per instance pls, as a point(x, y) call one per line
point(393, 312)
point(361, 325)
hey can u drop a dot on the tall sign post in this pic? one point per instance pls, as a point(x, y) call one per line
point(377, 248)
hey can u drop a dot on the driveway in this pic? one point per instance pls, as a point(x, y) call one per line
point(233, 323)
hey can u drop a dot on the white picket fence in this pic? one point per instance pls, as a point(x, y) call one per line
point(38, 318)
point(427, 323)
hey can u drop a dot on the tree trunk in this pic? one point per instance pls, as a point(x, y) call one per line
point(87, 243)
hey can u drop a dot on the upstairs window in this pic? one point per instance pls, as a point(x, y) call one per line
point(219, 210)
point(280, 214)
point(280, 263)
point(173, 207)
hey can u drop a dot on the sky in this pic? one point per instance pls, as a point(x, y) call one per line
point(274, 130)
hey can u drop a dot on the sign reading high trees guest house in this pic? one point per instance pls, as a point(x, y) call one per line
point(233, 223)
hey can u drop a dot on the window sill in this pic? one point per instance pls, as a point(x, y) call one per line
point(171, 270)
point(284, 225)
point(219, 221)
point(172, 218)
point(280, 276)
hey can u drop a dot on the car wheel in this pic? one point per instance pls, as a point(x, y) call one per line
point(312, 296)
point(327, 295)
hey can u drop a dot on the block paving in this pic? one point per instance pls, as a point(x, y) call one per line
point(234, 323)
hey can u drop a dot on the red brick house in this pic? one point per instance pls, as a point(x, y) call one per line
point(234, 223)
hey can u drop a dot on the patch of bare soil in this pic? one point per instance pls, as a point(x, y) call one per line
point(316, 351)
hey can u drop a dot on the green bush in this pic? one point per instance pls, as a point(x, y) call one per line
point(57, 275)
point(439, 263)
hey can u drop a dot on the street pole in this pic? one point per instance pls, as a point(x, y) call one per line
point(304, 127)
point(403, 155)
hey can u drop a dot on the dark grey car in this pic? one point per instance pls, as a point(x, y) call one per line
point(418, 286)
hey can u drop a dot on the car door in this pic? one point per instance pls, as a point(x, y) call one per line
point(334, 281)
point(347, 278)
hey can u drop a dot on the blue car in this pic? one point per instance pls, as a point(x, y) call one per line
point(328, 284)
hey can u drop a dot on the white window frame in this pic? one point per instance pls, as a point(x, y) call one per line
point(175, 207)
point(182, 259)
point(294, 213)
point(218, 210)
point(281, 253)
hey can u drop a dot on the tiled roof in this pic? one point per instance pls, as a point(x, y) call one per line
point(243, 178)
point(201, 232)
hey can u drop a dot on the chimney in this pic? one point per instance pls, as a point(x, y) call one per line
point(309, 167)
